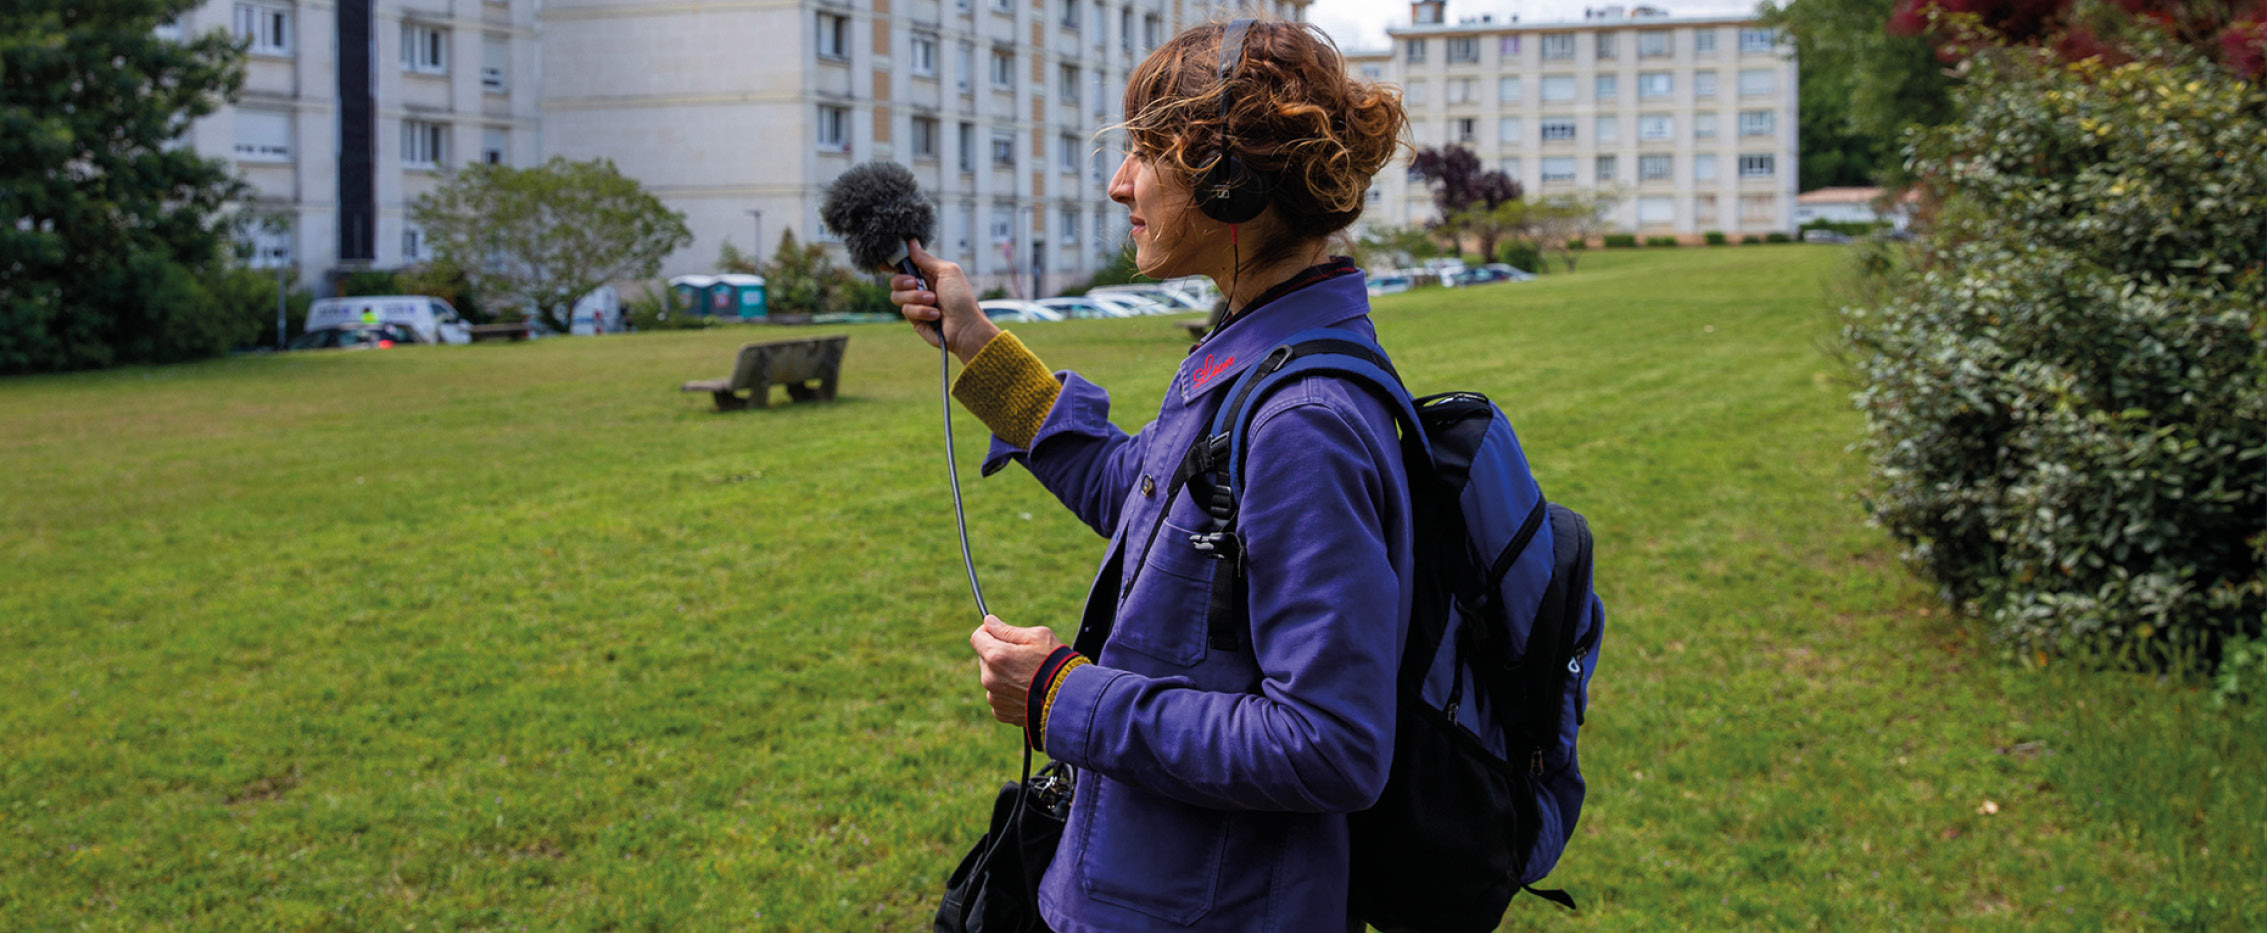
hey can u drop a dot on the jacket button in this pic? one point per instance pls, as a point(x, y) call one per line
point(1148, 487)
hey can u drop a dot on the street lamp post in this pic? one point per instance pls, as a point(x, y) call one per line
point(758, 255)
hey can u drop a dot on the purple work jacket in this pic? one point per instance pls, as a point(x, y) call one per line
point(1214, 783)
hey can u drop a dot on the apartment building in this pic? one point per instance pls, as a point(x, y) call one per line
point(1688, 122)
point(353, 108)
point(735, 112)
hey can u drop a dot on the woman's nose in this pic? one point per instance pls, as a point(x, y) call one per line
point(1121, 183)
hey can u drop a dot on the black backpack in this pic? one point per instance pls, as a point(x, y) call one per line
point(1484, 789)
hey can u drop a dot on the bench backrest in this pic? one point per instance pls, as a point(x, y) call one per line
point(782, 361)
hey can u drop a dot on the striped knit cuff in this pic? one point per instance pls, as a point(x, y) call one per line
point(1041, 699)
point(1006, 387)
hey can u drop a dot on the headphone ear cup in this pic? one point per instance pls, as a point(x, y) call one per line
point(1231, 192)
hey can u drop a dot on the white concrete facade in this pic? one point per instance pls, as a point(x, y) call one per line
point(1689, 123)
point(452, 82)
point(738, 112)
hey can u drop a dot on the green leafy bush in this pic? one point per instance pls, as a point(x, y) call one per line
point(2065, 387)
point(1523, 254)
point(1660, 241)
point(1714, 237)
point(1775, 238)
point(1621, 240)
point(1751, 240)
point(1573, 243)
point(1848, 228)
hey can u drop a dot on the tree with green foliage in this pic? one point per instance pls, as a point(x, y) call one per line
point(118, 239)
point(1558, 222)
point(1861, 87)
point(539, 238)
point(2064, 382)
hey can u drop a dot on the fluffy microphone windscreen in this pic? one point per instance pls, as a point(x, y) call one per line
point(875, 207)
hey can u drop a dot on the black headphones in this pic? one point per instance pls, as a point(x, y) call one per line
point(1230, 191)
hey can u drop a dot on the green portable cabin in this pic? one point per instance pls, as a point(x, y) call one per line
point(688, 294)
point(737, 294)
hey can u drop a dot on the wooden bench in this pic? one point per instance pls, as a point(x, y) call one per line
point(791, 363)
point(482, 332)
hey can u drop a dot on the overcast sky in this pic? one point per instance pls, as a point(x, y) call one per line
point(1360, 24)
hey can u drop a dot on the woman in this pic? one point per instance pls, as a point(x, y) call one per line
point(1217, 758)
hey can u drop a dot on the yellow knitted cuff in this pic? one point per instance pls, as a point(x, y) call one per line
point(1008, 389)
point(1055, 686)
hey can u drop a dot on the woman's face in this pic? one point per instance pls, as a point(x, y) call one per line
point(1163, 219)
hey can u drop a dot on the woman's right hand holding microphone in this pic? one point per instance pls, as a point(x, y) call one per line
point(949, 300)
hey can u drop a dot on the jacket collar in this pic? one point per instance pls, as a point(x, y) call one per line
point(1231, 350)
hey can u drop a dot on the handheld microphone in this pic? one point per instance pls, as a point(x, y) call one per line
point(875, 207)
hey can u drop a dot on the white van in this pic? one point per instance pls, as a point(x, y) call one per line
point(434, 320)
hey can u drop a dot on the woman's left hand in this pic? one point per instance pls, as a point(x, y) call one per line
point(1008, 657)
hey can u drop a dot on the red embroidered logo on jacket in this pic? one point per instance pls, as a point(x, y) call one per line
point(1205, 372)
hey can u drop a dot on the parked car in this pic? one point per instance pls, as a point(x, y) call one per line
point(1823, 235)
point(1389, 285)
point(1510, 272)
point(1072, 307)
point(1132, 305)
point(1016, 311)
point(434, 320)
point(354, 337)
point(1168, 301)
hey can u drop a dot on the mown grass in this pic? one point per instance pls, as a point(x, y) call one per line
point(505, 637)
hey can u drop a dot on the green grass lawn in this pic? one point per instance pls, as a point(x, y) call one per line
point(517, 636)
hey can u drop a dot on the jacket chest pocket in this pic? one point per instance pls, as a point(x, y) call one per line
point(1162, 614)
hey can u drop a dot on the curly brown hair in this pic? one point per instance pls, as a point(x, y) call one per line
point(1293, 113)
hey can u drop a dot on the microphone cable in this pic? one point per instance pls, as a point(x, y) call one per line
point(952, 464)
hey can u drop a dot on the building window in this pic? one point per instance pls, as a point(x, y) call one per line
point(1653, 43)
point(1703, 85)
point(1703, 42)
point(1758, 82)
point(1466, 129)
point(1558, 45)
point(263, 136)
point(1704, 168)
point(271, 246)
point(1704, 209)
point(1463, 90)
point(1704, 126)
point(495, 145)
point(1655, 167)
point(495, 62)
point(1757, 40)
point(924, 55)
point(1125, 29)
point(1003, 224)
point(412, 243)
point(1413, 93)
point(1373, 73)
point(1463, 49)
point(1003, 70)
point(834, 128)
point(1558, 168)
point(1003, 6)
point(968, 147)
point(1656, 84)
point(1656, 211)
point(1558, 129)
point(1605, 172)
point(1756, 122)
point(1605, 46)
point(267, 28)
point(1507, 46)
point(424, 49)
point(1066, 154)
point(1101, 25)
point(1416, 51)
point(1509, 165)
point(1070, 13)
point(1756, 165)
point(1608, 87)
point(834, 37)
point(1558, 87)
point(1508, 130)
point(1420, 132)
point(1152, 31)
point(1070, 226)
point(1656, 126)
point(423, 145)
point(1609, 129)
point(1508, 89)
point(1070, 84)
point(924, 137)
point(1003, 148)
point(1759, 208)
